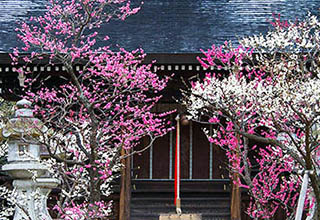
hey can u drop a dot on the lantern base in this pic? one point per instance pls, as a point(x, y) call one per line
point(31, 198)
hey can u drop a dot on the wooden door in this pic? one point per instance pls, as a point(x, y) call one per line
point(200, 160)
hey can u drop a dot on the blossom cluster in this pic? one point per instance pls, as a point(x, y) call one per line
point(265, 91)
point(93, 112)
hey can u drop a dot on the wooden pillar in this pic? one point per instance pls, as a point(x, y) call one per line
point(125, 188)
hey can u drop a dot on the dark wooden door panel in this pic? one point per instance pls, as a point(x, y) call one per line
point(185, 151)
point(201, 153)
point(160, 158)
point(141, 161)
point(199, 158)
point(220, 163)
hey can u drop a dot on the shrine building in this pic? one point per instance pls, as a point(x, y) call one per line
point(172, 32)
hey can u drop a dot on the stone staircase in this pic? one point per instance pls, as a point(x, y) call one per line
point(212, 206)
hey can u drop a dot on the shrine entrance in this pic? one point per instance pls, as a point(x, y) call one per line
point(200, 160)
point(204, 177)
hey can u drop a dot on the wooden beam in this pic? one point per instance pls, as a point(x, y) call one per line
point(125, 188)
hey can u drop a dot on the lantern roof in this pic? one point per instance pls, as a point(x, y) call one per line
point(23, 124)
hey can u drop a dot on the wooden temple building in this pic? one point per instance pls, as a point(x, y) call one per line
point(172, 32)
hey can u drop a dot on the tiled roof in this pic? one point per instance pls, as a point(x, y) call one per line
point(173, 26)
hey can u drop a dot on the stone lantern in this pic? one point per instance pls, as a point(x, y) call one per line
point(31, 182)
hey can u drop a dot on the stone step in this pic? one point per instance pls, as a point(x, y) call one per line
point(186, 198)
point(184, 205)
point(155, 216)
point(147, 206)
point(205, 202)
point(189, 209)
point(189, 197)
point(186, 210)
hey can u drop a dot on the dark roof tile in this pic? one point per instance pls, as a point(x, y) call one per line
point(174, 26)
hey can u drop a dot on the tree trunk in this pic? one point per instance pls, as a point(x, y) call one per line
point(125, 188)
point(235, 199)
point(95, 194)
point(317, 211)
point(235, 191)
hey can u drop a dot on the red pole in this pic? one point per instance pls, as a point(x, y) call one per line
point(177, 170)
